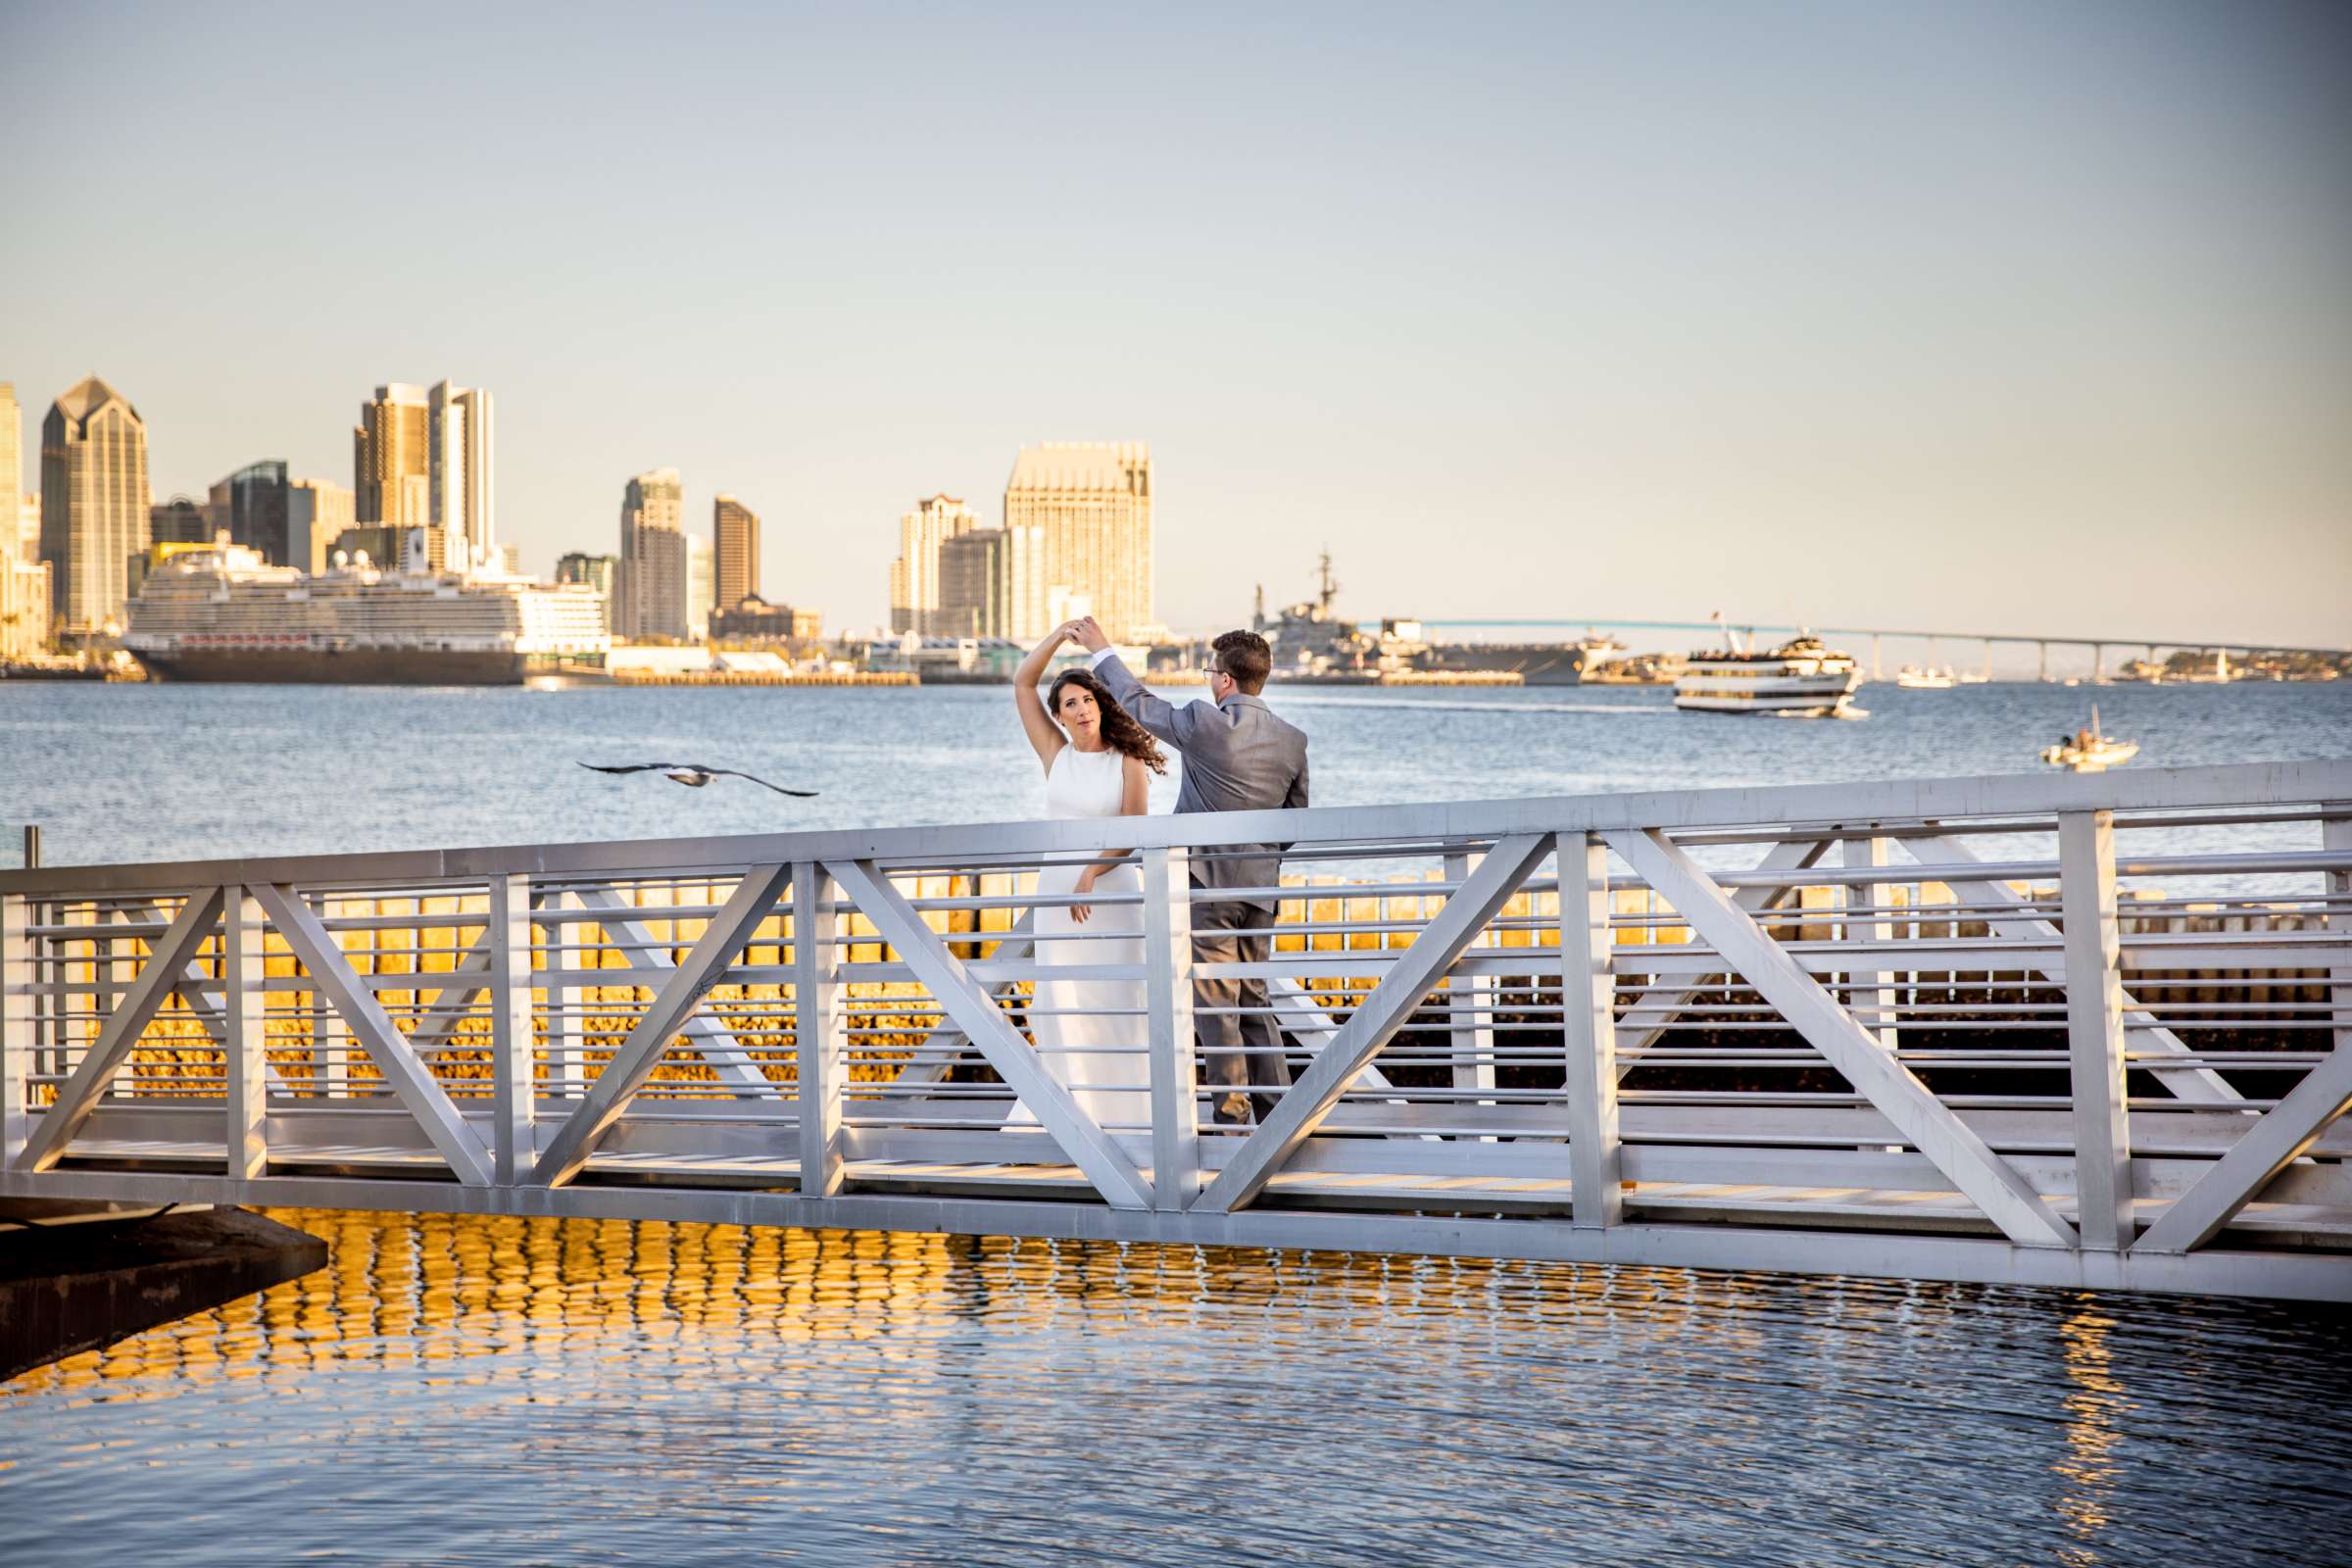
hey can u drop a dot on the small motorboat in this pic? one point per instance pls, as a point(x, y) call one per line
point(1931, 679)
point(2090, 751)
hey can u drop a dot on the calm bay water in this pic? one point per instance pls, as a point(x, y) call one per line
point(156, 773)
point(510, 1391)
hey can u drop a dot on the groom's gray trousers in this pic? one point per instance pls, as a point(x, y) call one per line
point(1240, 1050)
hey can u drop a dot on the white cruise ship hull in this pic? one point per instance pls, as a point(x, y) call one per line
point(353, 667)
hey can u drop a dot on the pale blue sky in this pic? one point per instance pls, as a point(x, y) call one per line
point(2033, 317)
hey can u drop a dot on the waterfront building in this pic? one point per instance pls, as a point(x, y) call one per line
point(914, 577)
point(735, 530)
point(971, 585)
point(20, 511)
point(180, 521)
point(317, 511)
point(753, 619)
point(699, 588)
point(392, 459)
point(251, 505)
point(649, 586)
point(23, 608)
point(1091, 503)
point(94, 502)
point(462, 471)
point(578, 565)
point(592, 572)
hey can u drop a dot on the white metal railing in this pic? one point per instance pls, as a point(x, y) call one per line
point(2082, 1030)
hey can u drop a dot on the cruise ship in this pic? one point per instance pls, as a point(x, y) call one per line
point(220, 613)
point(1802, 678)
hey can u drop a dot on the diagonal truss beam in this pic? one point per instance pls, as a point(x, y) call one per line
point(1640, 1029)
point(712, 1039)
point(1303, 1019)
point(167, 962)
point(934, 1059)
point(207, 1002)
point(633, 1063)
point(1408, 982)
point(2271, 1144)
point(373, 1027)
point(1992, 1183)
point(2198, 1084)
point(968, 1003)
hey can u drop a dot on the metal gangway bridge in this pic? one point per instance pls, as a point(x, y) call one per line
point(2083, 1032)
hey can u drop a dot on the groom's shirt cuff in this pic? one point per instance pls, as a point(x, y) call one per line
point(1100, 653)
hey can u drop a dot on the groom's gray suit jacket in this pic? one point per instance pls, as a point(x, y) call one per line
point(1238, 756)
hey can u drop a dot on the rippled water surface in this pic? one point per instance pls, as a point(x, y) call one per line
point(503, 1392)
point(472, 1390)
point(181, 772)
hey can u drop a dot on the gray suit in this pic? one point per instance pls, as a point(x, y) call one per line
point(1238, 756)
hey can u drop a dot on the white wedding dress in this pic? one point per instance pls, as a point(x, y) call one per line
point(1090, 1033)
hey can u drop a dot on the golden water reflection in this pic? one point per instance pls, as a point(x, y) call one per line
point(437, 1287)
point(646, 1370)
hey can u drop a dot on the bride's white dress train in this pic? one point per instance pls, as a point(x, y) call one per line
point(1090, 1033)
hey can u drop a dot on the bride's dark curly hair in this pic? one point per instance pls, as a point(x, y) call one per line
point(1120, 733)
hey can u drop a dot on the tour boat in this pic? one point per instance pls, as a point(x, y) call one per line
point(1802, 678)
point(2090, 750)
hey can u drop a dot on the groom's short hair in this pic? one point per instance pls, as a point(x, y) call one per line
point(1245, 656)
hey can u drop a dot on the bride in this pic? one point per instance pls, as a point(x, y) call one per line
point(1098, 762)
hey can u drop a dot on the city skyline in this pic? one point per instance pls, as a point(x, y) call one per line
point(1906, 315)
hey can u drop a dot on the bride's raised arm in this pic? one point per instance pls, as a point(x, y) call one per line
point(1045, 736)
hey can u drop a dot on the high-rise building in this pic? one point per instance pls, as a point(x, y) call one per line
point(701, 580)
point(23, 606)
point(914, 575)
point(180, 521)
point(461, 470)
point(971, 585)
point(19, 513)
point(735, 530)
point(391, 464)
point(12, 451)
point(596, 572)
point(317, 512)
point(23, 575)
point(1091, 502)
point(94, 503)
point(648, 587)
point(252, 505)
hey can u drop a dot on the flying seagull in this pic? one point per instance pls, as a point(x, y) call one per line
point(697, 775)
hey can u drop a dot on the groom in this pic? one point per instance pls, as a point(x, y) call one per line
point(1238, 756)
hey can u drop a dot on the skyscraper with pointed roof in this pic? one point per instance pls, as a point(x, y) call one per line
point(94, 501)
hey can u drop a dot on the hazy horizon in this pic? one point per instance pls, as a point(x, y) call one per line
point(2021, 317)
